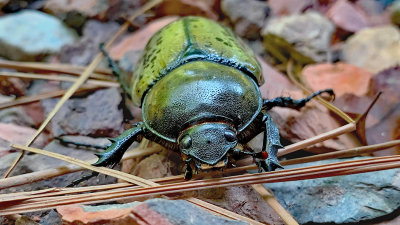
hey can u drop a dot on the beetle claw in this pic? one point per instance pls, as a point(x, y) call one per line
point(267, 165)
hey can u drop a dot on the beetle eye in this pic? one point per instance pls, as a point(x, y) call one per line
point(230, 135)
point(186, 142)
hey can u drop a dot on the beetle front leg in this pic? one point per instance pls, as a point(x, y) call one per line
point(268, 159)
point(291, 103)
point(113, 154)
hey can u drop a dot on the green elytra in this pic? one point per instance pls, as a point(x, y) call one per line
point(197, 85)
point(184, 40)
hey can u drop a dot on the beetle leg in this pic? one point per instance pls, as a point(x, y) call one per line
point(291, 103)
point(113, 154)
point(65, 141)
point(188, 171)
point(267, 160)
point(111, 63)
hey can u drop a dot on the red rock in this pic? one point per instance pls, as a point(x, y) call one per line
point(342, 78)
point(346, 16)
point(76, 214)
point(139, 39)
point(19, 135)
point(205, 8)
point(143, 214)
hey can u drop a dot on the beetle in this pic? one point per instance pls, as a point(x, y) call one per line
point(198, 87)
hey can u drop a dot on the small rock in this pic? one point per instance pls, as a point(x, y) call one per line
point(243, 200)
point(206, 8)
point(340, 199)
point(386, 115)
point(376, 14)
point(347, 17)
point(89, 8)
point(138, 40)
point(288, 7)
point(373, 49)
point(17, 116)
point(96, 115)
point(29, 35)
point(83, 51)
point(310, 33)
point(14, 134)
point(246, 24)
point(151, 212)
point(163, 164)
point(342, 78)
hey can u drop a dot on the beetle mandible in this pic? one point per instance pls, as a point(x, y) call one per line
point(198, 87)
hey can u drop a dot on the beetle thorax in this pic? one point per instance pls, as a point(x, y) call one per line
point(197, 91)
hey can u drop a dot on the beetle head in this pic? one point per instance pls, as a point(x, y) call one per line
point(208, 143)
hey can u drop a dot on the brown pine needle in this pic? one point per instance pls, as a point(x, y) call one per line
point(31, 203)
point(82, 78)
point(316, 139)
point(58, 78)
point(50, 173)
point(103, 74)
point(104, 170)
point(36, 98)
point(343, 153)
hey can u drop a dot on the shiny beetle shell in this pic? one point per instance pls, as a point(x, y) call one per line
point(185, 40)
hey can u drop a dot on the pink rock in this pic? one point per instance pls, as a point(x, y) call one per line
point(15, 134)
point(89, 8)
point(139, 39)
point(346, 16)
point(341, 77)
point(288, 7)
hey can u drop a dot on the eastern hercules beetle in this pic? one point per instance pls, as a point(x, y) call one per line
point(197, 85)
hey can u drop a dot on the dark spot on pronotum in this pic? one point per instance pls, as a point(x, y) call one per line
point(227, 44)
point(219, 39)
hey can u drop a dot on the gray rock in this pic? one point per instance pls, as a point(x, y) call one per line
point(310, 33)
point(373, 49)
point(248, 16)
point(83, 51)
point(30, 35)
point(184, 213)
point(96, 115)
point(342, 199)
